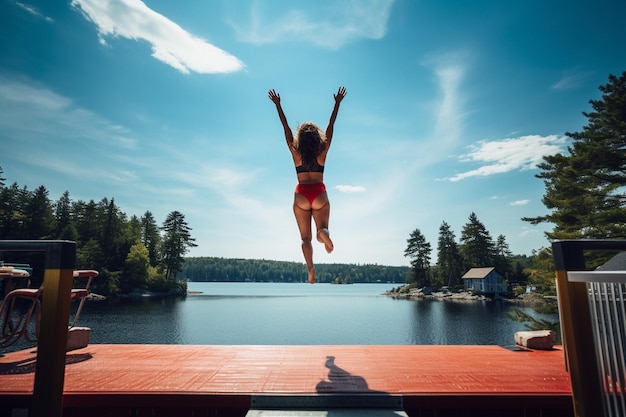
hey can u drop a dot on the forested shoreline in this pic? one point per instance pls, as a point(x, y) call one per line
point(262, 270)
point(132, 254)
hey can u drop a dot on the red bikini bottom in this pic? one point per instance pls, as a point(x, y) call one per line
point(311, 191)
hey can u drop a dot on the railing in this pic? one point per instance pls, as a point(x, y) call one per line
point(593, 322)
point(60, 259)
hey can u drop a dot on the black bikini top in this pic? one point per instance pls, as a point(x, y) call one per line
point(316, 168)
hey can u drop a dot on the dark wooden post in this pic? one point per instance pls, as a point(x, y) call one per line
point(576, 325)
point(60, 260)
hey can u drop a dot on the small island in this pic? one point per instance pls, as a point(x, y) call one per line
point(409, 292)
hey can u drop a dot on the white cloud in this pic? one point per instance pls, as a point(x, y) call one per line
point(71, 148)
point(351, 188)
point(449, 113)
point(220, 178)
point(570, 80)
point(520, 203)
point(35, 111)
point(34, 11)
point(507, 155)
point(60, 137)
point(171, 44)
point(329, 24)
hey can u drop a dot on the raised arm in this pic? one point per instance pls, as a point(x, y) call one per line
point(341, 93)
point(275, 97)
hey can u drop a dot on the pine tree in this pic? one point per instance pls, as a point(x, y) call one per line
point(86, 221)
point(133, 230)
point(418, 249)
point(503, 255)
point(176, 243)
point(63, 214)
point(584, 189)
point(13, 201)
point(112, 242)
point(38, 215)
point(448, 256)
point(477, 248)
point(150, 236)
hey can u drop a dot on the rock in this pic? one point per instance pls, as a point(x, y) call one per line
point(536, 339)
point(78, 337)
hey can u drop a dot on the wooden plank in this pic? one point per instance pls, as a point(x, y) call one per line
point(166, 375)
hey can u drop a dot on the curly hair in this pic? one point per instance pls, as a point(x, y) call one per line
point(310, 142)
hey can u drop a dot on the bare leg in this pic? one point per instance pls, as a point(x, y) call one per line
point(321, 215)
point(323, 236)
point(303, 218)
point(307, 251)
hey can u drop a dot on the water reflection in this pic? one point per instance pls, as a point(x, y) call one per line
point(298, 314)
point(462, 323)
point(135, 321)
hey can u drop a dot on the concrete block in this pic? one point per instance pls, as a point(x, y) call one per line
point(536, 339)
point(78, 337)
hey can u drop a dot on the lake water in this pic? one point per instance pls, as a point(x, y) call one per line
point(298, 314)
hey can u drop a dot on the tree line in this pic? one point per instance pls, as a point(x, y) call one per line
point(130, 253)
point(262, 270)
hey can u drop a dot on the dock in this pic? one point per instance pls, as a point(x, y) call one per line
point(218, 380)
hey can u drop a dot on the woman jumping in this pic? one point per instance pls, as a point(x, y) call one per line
point(308, 150)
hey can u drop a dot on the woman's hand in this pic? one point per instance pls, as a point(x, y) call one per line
point(341, 93)
point(274, 96)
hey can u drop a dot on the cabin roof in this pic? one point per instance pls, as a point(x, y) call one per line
point(479, 273)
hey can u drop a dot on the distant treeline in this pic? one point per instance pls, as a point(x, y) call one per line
point(262, 270)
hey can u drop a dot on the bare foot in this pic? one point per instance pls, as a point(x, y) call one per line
point(324, 236)
point(312, 276)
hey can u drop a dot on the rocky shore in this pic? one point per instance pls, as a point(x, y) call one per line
point(407, 292)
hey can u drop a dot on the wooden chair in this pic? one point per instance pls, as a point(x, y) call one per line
point(82, 293)
point(14, 318)
point(22, 305)
point(592, 310)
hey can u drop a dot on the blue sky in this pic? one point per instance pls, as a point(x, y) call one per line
point(162, 105)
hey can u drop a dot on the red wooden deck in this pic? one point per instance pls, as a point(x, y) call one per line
point(195, 380)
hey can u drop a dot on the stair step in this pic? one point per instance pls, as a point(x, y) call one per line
point(324, 413)
point(321, 405)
